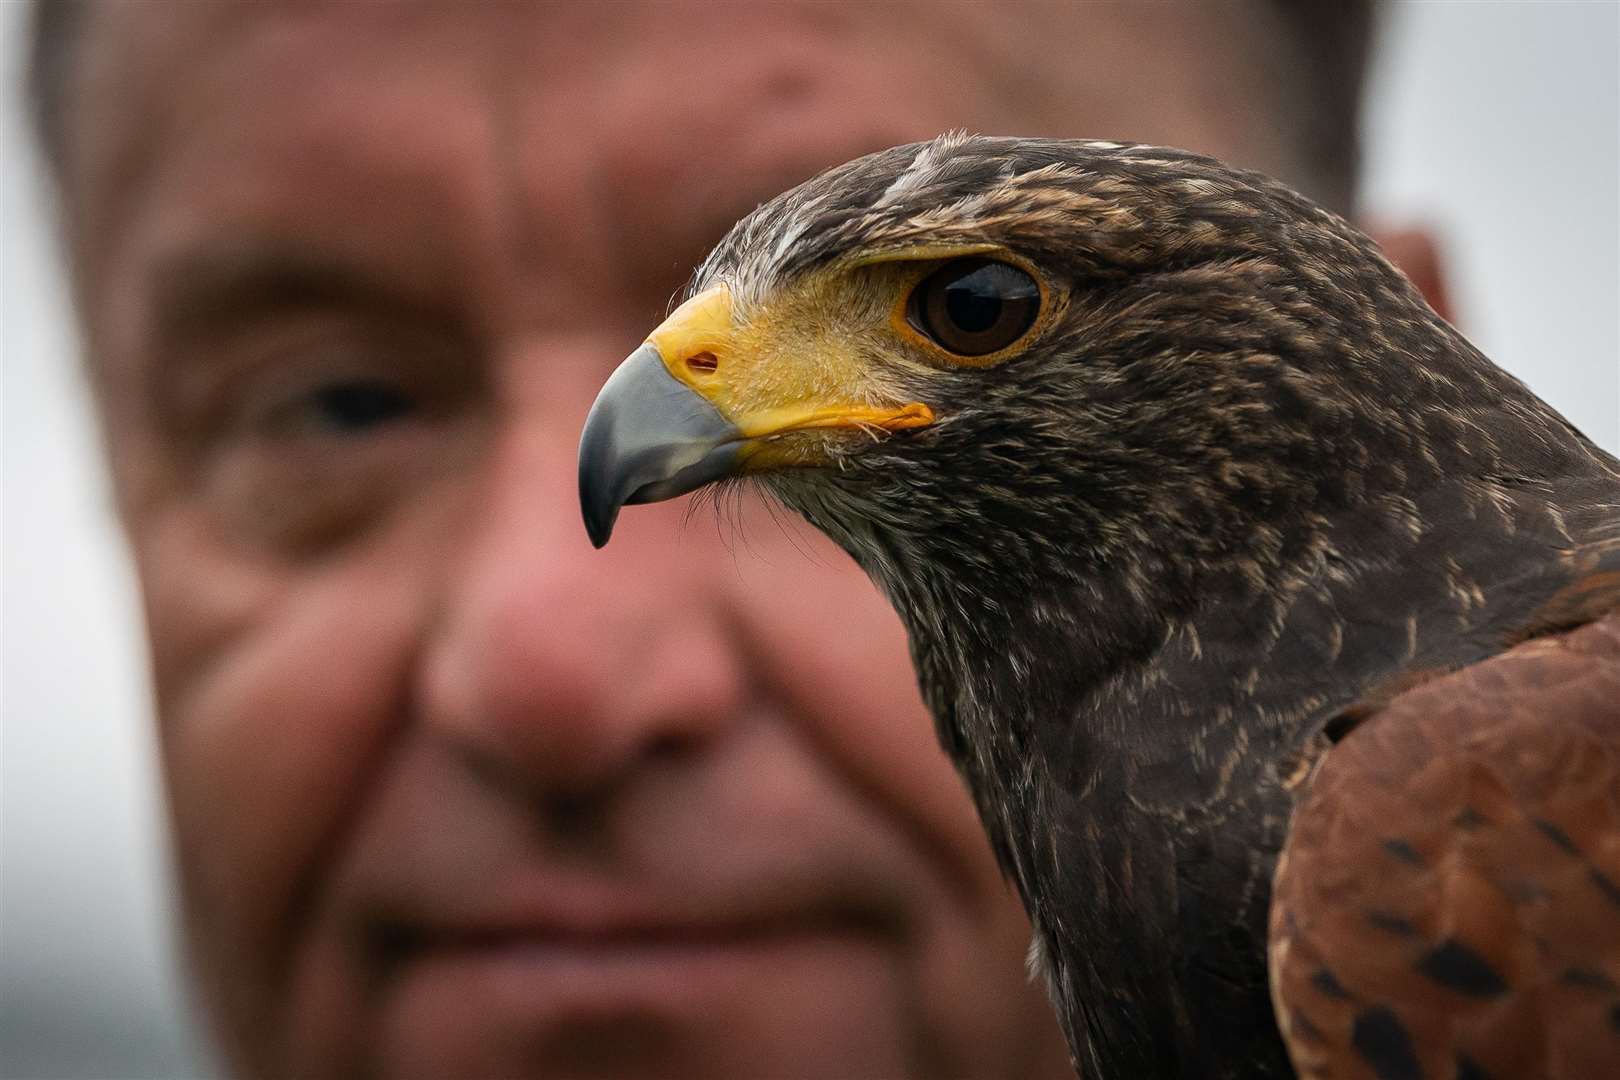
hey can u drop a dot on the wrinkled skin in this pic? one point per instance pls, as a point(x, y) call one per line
point(453, 793)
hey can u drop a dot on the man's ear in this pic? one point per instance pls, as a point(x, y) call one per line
point(1418, 256)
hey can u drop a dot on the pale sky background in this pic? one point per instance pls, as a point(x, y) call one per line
point(1496, 122)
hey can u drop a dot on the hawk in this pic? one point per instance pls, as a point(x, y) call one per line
point(1271, 625)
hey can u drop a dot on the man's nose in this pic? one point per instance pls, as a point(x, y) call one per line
point(566, 667)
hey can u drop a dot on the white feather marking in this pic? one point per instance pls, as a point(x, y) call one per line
point(921, 169)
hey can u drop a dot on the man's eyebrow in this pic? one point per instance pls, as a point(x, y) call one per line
point(208, 290)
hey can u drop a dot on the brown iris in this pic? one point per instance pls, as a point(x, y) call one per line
point(973, 307)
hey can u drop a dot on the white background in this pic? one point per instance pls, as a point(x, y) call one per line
point(1497, 123)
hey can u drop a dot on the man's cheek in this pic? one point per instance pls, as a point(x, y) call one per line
point(274, 735)
point(837, 646)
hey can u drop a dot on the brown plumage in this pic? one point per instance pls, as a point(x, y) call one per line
point(1447, 900)
point(1219, 551)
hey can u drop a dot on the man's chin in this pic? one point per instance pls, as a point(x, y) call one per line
point(805, 1003)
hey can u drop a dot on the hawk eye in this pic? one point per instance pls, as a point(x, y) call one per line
point(973, 307)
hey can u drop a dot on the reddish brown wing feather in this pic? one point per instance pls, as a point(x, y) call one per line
point(1448, 903)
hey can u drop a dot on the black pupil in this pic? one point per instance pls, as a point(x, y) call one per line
point(972, 307)
point(356, 406)
point(973, 303)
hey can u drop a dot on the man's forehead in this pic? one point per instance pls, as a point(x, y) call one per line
point(1114, 64)
point(695, 112)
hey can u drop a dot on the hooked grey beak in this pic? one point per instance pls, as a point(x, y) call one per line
point(648, 438)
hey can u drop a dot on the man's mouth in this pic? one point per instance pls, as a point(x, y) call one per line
point(393, 944)
point(583, 943)
point(622, 993)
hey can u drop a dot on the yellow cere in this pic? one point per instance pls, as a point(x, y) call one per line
point(794, 365)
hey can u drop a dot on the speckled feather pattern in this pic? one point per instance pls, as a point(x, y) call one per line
point(1244, 481)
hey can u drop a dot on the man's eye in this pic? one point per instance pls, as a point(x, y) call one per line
point(307, 432)
point(349, 407)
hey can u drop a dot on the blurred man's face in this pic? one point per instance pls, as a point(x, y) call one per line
point(456, 795)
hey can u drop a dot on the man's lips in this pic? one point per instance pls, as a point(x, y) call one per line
point(641, 998)
point(552, 976)
point(582, 924)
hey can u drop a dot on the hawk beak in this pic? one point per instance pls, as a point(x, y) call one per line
point(648, 437)
point(697, 403)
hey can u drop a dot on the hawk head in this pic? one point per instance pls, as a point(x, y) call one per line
point(1008, 358)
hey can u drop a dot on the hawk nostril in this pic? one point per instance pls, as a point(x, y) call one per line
point(704, 363)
